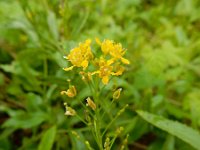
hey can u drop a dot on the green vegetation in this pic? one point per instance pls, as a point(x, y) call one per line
point(161, 85)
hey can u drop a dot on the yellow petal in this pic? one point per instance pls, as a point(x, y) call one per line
point(70, 93)
point(95, 72)
point(69, 68)
point(88, 42)
point(120, 70)
point(105, 79)
point(84, 64)
point(125, 61)
point(63, 92)
point(110, 61)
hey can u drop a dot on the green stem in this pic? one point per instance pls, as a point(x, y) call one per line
point(118, 114)
point(108, 112)
point(97, 119)
point(45, 69)
point(81, 119)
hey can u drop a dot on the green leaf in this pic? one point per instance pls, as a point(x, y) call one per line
point(177, 129)
point(24, 120)
point(1, 79)
point(169, 143)
point(52, 23)
point(47, 140)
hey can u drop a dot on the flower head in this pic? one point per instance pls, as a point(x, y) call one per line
point(105, 70)
point(118, 53)
point(115, 50)
point(80, 56)
point(109, 63)
point(106, 45)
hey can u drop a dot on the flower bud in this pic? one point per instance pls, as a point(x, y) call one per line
point(90, 103)
point(117, 93)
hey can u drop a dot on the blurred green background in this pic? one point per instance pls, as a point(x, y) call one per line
point(163, 44)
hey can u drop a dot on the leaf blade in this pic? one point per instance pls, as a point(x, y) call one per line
point(177, 129)
point(47, 140)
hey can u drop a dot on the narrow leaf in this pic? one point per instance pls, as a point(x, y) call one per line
point(177, 129)
point(47, 140)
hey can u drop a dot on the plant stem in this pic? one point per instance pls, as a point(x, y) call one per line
point(118, 114)
point(45, 77)
point(97, 119)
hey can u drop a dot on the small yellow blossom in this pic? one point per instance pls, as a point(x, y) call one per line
point(90, 103)
point(114, 49)
point(80, 56)
point(71, 92)
point(105, 70)
point(106, 45)
point(118, 52)
point(117, 93)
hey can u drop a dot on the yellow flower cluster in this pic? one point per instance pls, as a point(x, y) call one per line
point(109, 63)
point(80, 56)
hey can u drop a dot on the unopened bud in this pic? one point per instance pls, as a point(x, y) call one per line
point(90, 103)
point(117, 93)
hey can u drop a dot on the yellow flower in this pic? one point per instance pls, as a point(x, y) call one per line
point(71, 92)
point(106, 45)
point(90, 103)
point(108, 64)
point(118, 52)
point(105, 70)
point(114, 49)
point(80, 56)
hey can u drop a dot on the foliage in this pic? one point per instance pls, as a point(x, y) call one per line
point(174, 128)
point(162, 42)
